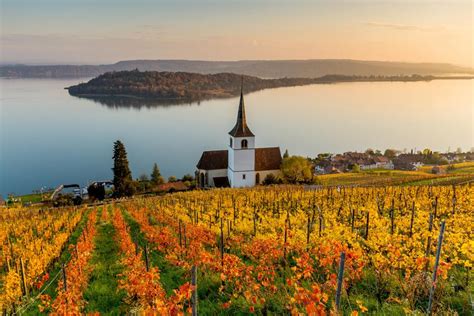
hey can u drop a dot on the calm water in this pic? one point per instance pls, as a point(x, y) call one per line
point(48, 137)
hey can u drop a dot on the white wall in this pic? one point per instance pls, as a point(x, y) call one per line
point(236, 179)
point(241, 160)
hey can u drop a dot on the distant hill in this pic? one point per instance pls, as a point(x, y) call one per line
point(260, 68)
point(182, 87)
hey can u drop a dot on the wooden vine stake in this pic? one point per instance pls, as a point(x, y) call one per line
point(412, 218)
point(194, 297)
point(352, 220)
point(146, 258)
point(23, 277)
point(367, 227)
point(64, 278)
point(308, 233)
point(435, 270)
point(428, 242)
point(221, 242)
point(340, 278)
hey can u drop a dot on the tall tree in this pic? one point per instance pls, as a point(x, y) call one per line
point(123, 182)
point(156, 177)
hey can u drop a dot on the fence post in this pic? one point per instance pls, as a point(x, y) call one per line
point(435, 270)
point(340, 277)
point(194, 295)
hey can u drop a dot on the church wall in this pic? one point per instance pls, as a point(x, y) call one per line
point(213, 173)
point(243, 160)
point(236, 179)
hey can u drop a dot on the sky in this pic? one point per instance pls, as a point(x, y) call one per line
point(107, 31)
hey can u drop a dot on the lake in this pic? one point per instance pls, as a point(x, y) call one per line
point(48, 137)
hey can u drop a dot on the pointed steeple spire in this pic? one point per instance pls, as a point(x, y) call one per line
point(241, 129)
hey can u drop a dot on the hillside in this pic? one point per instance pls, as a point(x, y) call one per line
point(173, 86)
point(260, 68)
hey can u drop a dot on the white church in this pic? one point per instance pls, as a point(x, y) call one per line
point(241, 165)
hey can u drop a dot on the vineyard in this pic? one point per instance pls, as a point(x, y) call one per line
point(285, 250)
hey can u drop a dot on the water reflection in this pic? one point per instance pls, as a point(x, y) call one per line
point(116, 102)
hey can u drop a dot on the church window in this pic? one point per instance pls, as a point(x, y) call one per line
point(244, 143)
point(231, 142)
point(243, 176)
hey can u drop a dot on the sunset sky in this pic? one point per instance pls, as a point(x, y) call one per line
point(106, 31)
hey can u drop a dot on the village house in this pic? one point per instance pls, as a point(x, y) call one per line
point(408, 162)
point(242, 164)
point(377, 162)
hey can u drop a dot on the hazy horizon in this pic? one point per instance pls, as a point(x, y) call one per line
point(105, 32)
point(218, 60)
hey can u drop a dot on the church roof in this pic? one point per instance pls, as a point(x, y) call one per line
point(267, 158)
point(211, 160)
point(241, 129)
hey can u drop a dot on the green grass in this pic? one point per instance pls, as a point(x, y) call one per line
point(102, 294)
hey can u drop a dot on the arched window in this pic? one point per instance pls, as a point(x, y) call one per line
point(231, 142)
point(244, 143)
point(206, 180)
point(257, 178)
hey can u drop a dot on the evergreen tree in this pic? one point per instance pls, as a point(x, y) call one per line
point(123, 182)
point(156, 177)
point(286, 154)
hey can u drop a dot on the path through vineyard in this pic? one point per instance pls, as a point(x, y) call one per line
point(102, 294)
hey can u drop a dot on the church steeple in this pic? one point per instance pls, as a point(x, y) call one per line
point(241, 129)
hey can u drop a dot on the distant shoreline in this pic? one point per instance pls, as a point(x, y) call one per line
point(165, 87)
point(308, 68)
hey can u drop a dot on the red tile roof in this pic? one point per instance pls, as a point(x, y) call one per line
point(267, 158)
point(212, 160)
point(176, 186)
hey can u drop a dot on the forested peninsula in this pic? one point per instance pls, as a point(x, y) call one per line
point(193, 86)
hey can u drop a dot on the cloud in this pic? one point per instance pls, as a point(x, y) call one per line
point(403, 27)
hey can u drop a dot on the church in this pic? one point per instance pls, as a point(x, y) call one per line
point(242, 164)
